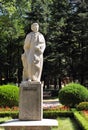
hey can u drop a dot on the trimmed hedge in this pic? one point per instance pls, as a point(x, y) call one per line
point(9, 95)
point(46, 114)
point(72, 94)
point(55, 114)
point(81, 121)
point(82, 106)
point(14, 115)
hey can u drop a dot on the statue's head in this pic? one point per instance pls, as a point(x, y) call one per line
point(35, 27)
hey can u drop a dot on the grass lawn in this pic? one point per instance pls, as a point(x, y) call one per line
point(66, 123)
point(3, 119)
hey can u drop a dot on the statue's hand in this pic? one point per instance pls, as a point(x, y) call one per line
point(38, 49)
point(36, 57)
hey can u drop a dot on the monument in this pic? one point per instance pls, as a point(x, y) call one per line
point(31, 88)
point(32, 57)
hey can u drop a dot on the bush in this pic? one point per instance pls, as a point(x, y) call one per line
point(9, 95)
point(82, 106)
point(72, 94)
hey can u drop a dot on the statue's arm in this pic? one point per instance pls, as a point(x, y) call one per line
point(27, 42)
point(41, 47)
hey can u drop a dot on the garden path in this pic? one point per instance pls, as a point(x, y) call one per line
point(50, 103)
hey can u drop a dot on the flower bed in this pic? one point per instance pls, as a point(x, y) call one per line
point(46, 107)
point(3, 109)
point(48, 111)
point(85, 114)
point(56, 108)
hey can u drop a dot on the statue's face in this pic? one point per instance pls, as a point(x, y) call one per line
point(35, 27)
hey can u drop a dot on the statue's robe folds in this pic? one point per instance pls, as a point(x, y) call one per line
point(32, 57)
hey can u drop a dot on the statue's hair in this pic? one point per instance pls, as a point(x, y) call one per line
point(34, 24)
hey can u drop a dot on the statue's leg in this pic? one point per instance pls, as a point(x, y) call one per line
point(36, 74)
point(37, 70)
point(25, 67)
point(29, 72)
point(40, 69)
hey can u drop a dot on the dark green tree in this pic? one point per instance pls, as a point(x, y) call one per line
point(11, 37)
point(76, 36)
point(55, 53)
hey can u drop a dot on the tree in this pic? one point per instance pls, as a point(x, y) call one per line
point(12, 35)
point(76, 34)
point(65, 28)
point(55, 54)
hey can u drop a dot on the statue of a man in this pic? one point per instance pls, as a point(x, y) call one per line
point(32, 58)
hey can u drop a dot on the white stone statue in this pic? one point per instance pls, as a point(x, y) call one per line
point(32, 58)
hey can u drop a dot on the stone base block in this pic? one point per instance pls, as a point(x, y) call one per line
point(30, 101)
point(25, 128)
point(44, 124)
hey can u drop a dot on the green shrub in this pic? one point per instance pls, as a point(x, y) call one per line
point(82, 106)
point(9, 95)
point(73, 94)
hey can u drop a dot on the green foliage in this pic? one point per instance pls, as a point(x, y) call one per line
point(54, 51)
point(46, 114)
point(65, 29)
point(82, 106)
point(81, 121)
point(12, 114)
point(9, 95)
point(72, 94)
point(55, 114)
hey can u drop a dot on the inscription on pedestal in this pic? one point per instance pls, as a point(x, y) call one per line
point(30, 103)
point(30, 88)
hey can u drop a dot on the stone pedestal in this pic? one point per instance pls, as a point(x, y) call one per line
point(30, 101)
point(44, 124)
